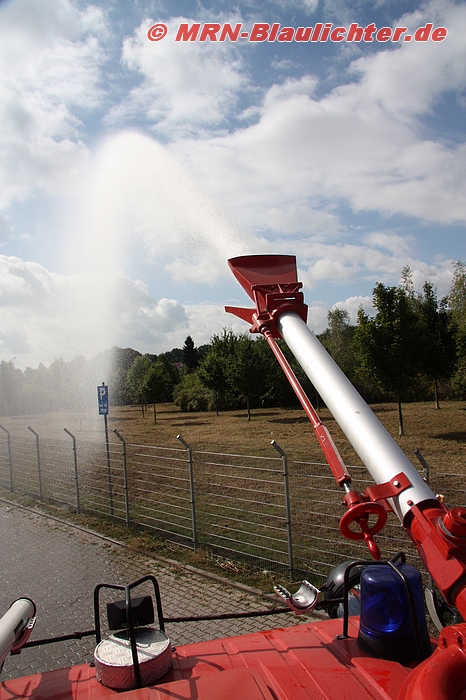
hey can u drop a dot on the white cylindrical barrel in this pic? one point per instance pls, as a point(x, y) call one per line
point(13, 624)
point(378, 451)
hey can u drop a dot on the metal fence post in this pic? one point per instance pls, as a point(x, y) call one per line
point(38, 461)
point(125, 475)
point(75, 460)
point(9, 456)
point(287, 507)
point(425, 466)
point(109, 467)
point(191, 488)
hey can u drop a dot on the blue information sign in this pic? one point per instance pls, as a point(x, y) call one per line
point(102, 393)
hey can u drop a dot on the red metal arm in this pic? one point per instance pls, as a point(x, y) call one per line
point(439, 535)
point(271, 300)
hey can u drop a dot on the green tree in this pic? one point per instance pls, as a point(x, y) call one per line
point(174, 355)
point(35, 396)
point(121, 360)
point(136, 379)
point(337, 339)
point(158, 385)
point(407, 283)
point(388, 344)
point(58, 385)
point(190, 357)
point(202, 351)
point(192, 395)
point(10, 388)
point(172, 371)
point(213, 369)
point(457, 305)
point(233, 369)
point(275, 387)
point(245, 370)
point(438, 357)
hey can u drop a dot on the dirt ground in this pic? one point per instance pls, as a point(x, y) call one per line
point(440, 435)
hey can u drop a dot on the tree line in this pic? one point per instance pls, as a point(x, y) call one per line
point(412, 348)
point(72, 386)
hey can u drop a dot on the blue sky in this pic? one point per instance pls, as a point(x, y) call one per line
point(132, 169)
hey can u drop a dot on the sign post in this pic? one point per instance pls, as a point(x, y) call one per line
point(102, 394)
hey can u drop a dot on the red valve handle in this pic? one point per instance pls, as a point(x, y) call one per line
point(360, 513)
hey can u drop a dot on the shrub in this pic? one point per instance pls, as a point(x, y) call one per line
point(191, 395)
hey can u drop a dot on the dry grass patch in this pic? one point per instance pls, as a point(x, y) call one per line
point(439, 434)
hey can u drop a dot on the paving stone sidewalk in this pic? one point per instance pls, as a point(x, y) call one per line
point(58, 566)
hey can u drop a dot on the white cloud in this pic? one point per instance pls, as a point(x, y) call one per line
point(6, 229)
point(362, 143)
point(408, 81)
point(208, 319)
point(307, 5)
point(318, 311)
point(380, 258)
point(317, 317)
point(186, 85)
point(353, 304)
point(330, 150)
point(293, 218)
point(49, 71)
point(45, 315)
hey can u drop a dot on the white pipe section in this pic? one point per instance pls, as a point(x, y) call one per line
point(13, 624)
point(374, 445)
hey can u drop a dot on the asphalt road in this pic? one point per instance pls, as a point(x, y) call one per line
point(58, 566)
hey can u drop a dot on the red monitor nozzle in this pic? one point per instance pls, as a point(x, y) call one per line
point(272, 283)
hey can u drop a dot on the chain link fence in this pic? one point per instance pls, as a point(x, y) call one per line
point(273, 512)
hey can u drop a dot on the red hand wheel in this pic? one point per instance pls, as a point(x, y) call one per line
point(359, 513)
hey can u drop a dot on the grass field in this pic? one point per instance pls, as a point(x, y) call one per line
point(439, 434)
